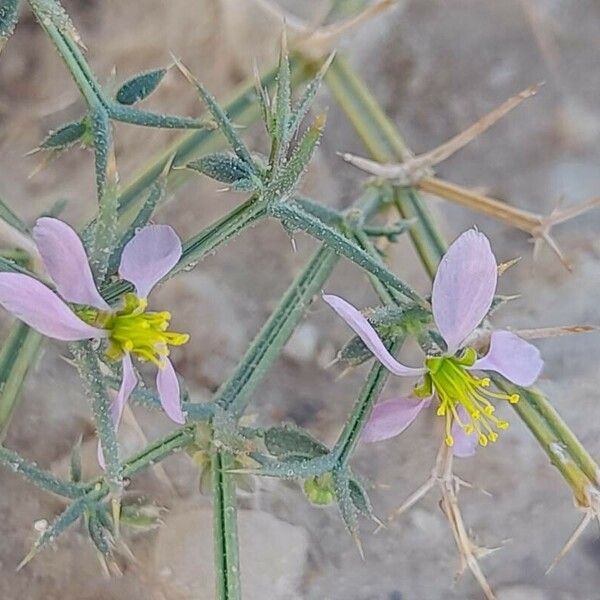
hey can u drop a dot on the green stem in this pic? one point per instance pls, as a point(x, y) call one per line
point(39, 477)
point(95, 388)
point(295, 216)
point(226, 544)
point(16, 357)
point(362, 409)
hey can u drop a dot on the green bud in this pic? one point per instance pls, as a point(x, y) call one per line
point(319, 490)
point(139, 87)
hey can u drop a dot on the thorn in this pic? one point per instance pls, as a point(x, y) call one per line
point(359, 546)
point(343, 373)
point(333, 362)
point(572, 539)
point(169, 166)
point(504, 266)
point(557, 250)
point(548, 332)
point(30, 555)
point(116, 515)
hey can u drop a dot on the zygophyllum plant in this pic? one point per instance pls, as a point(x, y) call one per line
point(90, 288)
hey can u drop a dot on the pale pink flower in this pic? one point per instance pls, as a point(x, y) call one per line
point(78, 312)
point(463, 291)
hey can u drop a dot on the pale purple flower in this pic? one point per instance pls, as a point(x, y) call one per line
point(78, 311)
point(463, 291)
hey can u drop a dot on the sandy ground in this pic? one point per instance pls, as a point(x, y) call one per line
point(436, 66)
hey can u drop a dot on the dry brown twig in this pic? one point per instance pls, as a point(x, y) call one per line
point(315, 39)
point(418, 172)
point(443, 477)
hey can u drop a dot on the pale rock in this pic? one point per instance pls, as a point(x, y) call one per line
point(273, 554)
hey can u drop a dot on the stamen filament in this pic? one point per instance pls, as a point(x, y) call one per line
point(455, 385)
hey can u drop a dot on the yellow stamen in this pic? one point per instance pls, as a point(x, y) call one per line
point(132, 329)
point(456, 386)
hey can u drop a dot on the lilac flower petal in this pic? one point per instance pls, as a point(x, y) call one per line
point(128, 384)
point(464, 287)
point(392, 417)
point(168, 390)
point(368, 335)
point(514, 358)
point(66, 262)
point(149, 256)
point(465, 444)
point(38, 306)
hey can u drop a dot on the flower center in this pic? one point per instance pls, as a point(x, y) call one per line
point(456, 387)
point(132, 329)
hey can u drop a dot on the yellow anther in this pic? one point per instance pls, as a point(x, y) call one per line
point(464, 399)
point(449, 441)
point(142, 333)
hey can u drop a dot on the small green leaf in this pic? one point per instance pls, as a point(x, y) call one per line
point(139, 87)
point(306, 100)
point(290, 440)
point(282, 106)
point(75, 463)
point(227, 168)
point(66, 135)
point(360, 499)
point(264, 102)
point(343, 496)
point(98, 535)
point(288, 179)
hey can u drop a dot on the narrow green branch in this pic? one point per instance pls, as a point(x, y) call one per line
point(362, 409)
point(225, 536)
point(39, 477)
point(18, 353)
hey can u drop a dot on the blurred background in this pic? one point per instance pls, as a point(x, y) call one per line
point(436, 66)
